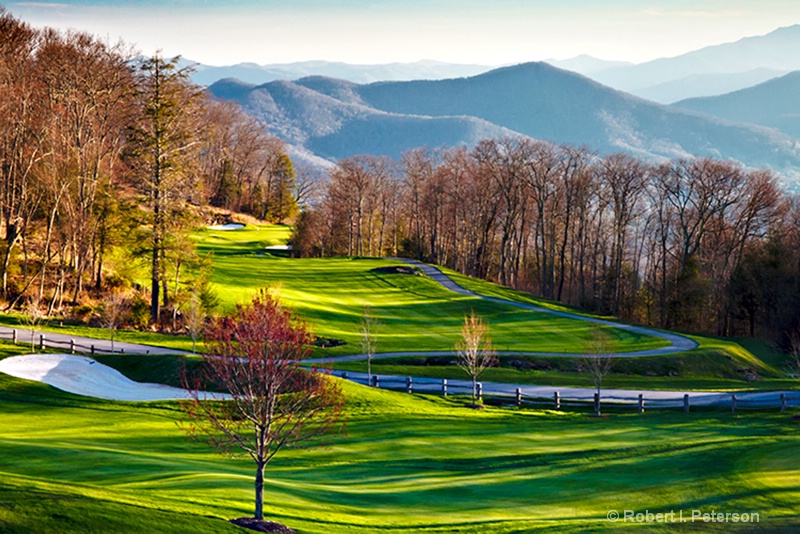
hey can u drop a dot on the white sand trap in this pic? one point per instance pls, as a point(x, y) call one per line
point(229, 226)
point(84, 376)
point(279, 247)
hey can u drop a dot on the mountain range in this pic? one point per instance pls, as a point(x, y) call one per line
point(710, 71)
point(326, 119)
point(774, 104)
point(260, 74)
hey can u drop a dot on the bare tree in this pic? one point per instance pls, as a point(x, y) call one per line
point(475, 351)
point(32, 317)
point(270, 402)
point(794, 353)
point(194, 319)
point(598, 359)
point(624, 179)
point(113, 313)
point(369, 341)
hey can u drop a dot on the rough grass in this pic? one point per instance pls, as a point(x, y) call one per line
point(406, 464)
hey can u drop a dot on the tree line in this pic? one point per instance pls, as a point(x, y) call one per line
point(694, 244)
point(103, 151)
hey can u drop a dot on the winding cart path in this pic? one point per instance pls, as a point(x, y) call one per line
point(83, 376)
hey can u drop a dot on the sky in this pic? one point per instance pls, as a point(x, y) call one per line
point(485, 32)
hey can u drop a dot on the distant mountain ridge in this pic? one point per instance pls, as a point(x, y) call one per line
point(317, 126)
point(726, 64)
point(710, 71)
point(775, 104)
point(333, 119)
point(261, 74)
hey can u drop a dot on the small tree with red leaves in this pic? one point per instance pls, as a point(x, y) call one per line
point(268, 400)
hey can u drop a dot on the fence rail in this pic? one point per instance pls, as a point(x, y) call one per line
point(41, 340)
point(734, 401)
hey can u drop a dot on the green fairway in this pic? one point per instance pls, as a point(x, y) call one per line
point(415, 312)
point(406, 464)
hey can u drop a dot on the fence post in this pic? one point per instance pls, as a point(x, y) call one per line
point(409, 382)
point(686, 403)
point(596, 402)
point(41, 341)
point(14, 336)
point(92, 350)
point(733, 404)
point(72, 346)
point(556, 401)
point(480, 391)
point(344, 375)
point(641, 403)
point(519, 397)
point(783, 403)
point(444, 387)
point(375, 382)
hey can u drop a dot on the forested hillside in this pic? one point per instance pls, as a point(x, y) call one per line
point(105, 163)
point(336, 119)
point(773, 104)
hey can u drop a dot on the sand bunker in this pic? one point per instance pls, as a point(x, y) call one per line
point(229, 226)
point(84, 376)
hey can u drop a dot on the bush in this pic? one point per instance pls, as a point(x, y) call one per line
point(139, 312)
point(82, 313)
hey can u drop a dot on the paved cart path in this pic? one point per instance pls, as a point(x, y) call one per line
point(653, 398)
point(82, 344)
point(60, 370)
point(84, 376)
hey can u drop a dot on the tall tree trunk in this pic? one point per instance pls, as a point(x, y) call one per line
point(11, 240)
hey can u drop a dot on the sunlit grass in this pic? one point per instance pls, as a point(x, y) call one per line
point(407, 463)
point(415, 312)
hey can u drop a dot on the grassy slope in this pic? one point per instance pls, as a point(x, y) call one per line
point(415, 312)
point(407, 464)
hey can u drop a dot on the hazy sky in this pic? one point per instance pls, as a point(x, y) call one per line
point(490, 32)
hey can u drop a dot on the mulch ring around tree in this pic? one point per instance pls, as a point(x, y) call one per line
point(261, 525)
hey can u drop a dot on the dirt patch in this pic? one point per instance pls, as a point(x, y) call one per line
point(261, 525)
point(396, 269)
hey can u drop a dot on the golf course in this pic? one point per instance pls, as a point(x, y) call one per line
point(411, 463)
